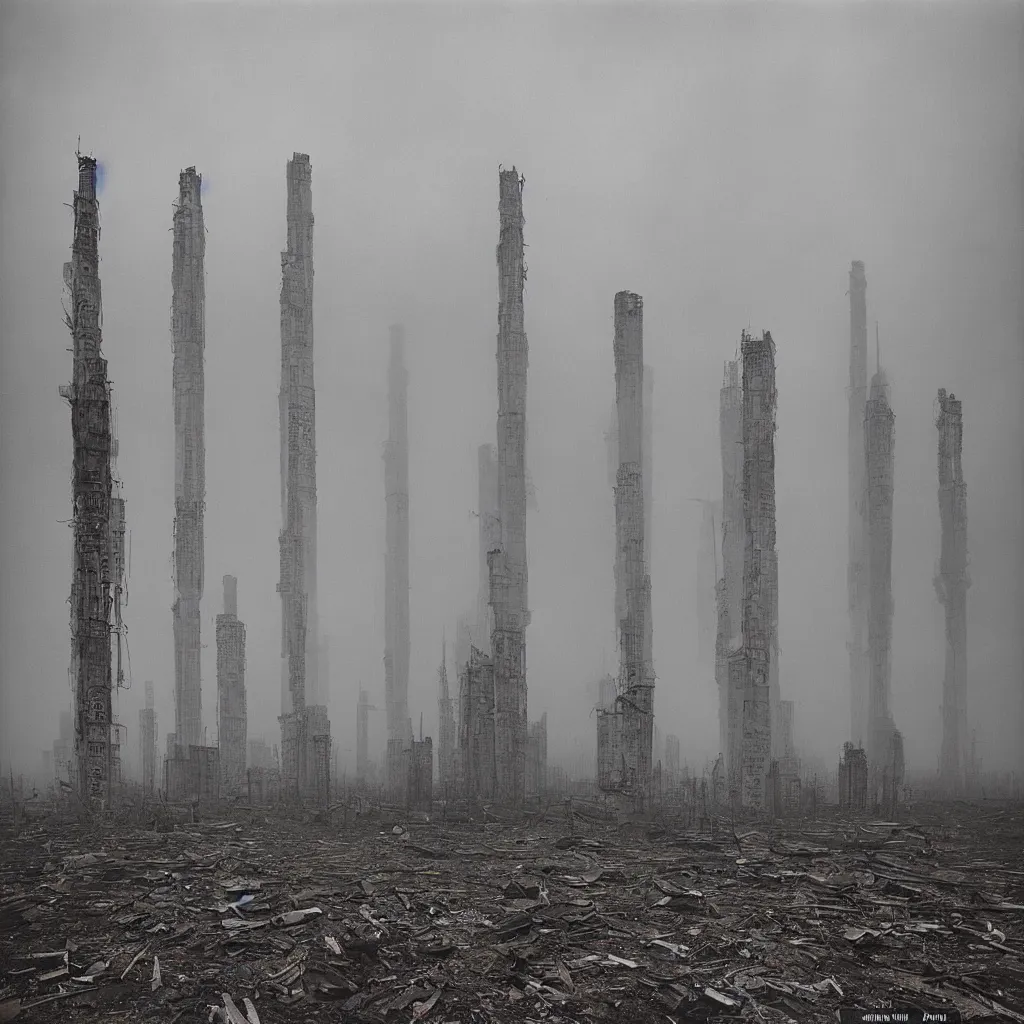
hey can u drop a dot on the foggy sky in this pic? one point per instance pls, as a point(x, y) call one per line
point(726, 162)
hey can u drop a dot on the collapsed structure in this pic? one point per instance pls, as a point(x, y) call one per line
point(96, 573)
point(730, 585)
point(188, 328)
point(476, 763)
point(856, 578)
point(629, 731)
point(507, 563)
point(147, 742)
point(396, 568)
point(750, 665)
point(303, 715)
point(232, 718)
point(951, 583)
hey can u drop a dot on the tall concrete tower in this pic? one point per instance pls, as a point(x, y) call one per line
point(507, 564)
point(303, 714)
point(750, 667)
point(188, 326)
point(636, 676)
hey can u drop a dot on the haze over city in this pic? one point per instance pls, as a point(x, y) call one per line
point(727, 163)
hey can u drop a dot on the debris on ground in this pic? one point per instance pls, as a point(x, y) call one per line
point(261, 920)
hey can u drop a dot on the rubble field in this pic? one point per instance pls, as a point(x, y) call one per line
point(555, 918)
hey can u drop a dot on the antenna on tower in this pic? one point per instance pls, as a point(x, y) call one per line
point(878, 350)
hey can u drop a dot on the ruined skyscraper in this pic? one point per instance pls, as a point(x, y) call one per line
point(879, 436)
point(92, 489)
point(188, 327)
point(856, 578)
point(396, 564)
point(633, 604)
point(476, 727)
point(750, 666)
point(232, 722)
point(951, 585)
point(147, 742)
point(489, 528)
point(447, 733)
point(303, 716)
point(728, 638)
point(507, 564)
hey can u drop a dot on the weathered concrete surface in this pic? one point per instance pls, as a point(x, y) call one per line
point(188, 328)
point(507, 565)
point(88, 394)
point(636, 676)
point(759, 564)
point(298, 583)
point(476, 727)
point(232, 715)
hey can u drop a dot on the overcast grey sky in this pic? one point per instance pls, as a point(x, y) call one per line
point(725, 161)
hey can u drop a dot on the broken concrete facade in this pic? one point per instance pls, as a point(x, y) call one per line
point(188, 328)
point(147, 742)
point(857, 592)
point(749, 667)
point(507, 565)
point(729, 594)
point(322, 768)
point(232, 720)
point(879, 438)
point(299, 734)
point(447, 732)
point(192, 774)
point(951, 583)
point(396, 567)
point(88, 394)
point(304, 716)
point(635, 689)
point(537, 757)
point(476, 727)
point(853, 778)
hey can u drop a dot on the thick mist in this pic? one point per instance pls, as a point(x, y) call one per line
point(725, 162)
